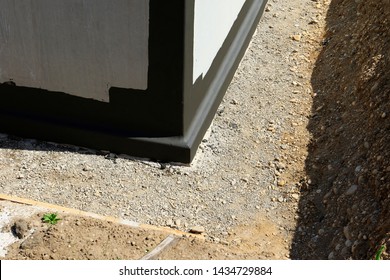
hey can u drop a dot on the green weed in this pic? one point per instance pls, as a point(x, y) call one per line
point(378, 254)
point(51, 218)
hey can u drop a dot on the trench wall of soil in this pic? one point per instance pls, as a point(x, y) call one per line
point(345, 206)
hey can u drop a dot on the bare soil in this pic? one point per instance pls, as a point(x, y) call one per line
point(344, 210)
point(330, 197)
point(78, 237)
point(81, 238)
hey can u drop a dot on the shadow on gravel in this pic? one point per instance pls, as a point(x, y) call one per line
point(344, 209)
point(12, 142)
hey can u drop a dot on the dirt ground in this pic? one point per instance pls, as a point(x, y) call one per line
point(79, 237)
point(344, 211)
point(338, 204)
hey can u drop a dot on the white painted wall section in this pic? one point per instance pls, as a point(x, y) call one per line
point(80, 47)
point(213, 21)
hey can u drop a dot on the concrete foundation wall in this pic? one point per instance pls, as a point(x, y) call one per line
point(213, 21)
point(160, 67)
point(80, 47)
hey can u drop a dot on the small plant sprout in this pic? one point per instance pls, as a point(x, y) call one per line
point(51, 218)
point(378, 254)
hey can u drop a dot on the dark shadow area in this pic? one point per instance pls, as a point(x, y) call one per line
point(344, 210)
point(13, 142)
point(129, 115)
